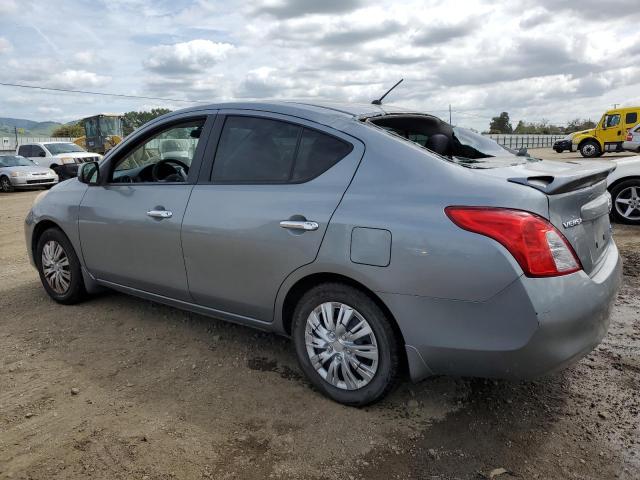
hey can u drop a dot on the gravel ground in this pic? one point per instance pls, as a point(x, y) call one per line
point(119, 387)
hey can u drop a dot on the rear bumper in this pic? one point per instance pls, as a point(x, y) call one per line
point(632, 146)
point(533, 327)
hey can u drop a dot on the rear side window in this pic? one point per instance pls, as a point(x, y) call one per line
point(25, 150)
point(260, 150)
point(632, 117)
point(317, 153)
point(255, 150)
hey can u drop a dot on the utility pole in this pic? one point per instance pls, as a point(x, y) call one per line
point(449, 114)
point(15, 130)
point(615, 105)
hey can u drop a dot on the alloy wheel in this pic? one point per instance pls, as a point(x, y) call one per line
point(628, 203)
point(56, 267)
point(5, 184)
point(341, 346)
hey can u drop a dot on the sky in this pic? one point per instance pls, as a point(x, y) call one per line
point(552, 60)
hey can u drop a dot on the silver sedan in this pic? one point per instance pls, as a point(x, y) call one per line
point(20, 172)
point(375, 238)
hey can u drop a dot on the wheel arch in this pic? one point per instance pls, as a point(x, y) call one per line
point(304, 284)
point(620, 180)
point(588, 139)
point(39, 229)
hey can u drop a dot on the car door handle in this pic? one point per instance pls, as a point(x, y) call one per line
point(160, 213)
point(304, 225)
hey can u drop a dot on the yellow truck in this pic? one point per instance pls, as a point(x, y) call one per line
point(608, 134)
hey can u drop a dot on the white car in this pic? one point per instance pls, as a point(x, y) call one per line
point(624, 185)
point(632, 143)
point(20, 172)
point(61, 157)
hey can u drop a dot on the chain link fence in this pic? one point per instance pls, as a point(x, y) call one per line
point(525, 141)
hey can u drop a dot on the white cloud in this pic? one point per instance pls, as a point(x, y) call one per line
point(5, 45)
point(74, 79)
point(187, 57)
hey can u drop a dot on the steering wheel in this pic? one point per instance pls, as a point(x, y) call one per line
point(181, 171)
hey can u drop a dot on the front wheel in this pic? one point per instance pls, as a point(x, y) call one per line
point(626, 202)
point(345, 344)
point(59, 267)
point(559, 150)
point(5, 184)
point(590, 149)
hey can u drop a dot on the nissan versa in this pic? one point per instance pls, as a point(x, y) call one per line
point(373, 237)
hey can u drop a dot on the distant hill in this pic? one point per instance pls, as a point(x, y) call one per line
point(31, 128)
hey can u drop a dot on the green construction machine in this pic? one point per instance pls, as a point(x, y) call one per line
point(102, 132)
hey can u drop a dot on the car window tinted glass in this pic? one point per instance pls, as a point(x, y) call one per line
point(24, 150)
point(37, 151)
point(255, 150)
point(163, 157)
point(631, 117)
point(317, 153)
point(612, 120)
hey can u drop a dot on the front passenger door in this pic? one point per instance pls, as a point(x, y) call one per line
point(130, 224)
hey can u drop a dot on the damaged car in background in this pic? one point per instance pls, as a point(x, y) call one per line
point(375, 238)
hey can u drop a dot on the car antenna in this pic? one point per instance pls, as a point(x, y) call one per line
point(379, 101)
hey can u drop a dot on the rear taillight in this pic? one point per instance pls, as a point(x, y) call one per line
point(629, 136)
point(539, 248)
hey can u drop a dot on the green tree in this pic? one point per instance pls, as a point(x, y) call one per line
point(73, 130)
point(501, 124)
point(133, 120)
point(578, 124)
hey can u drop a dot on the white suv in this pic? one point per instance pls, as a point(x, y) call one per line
point(61, 157)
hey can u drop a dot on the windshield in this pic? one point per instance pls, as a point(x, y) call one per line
point(15, 161)
point(56, 148)
point(109, 126)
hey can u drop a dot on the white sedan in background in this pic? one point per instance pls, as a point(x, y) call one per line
point(632, 143)
point(20, 172)
point(624, 185)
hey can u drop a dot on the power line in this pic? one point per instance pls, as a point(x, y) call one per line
point(104, 94)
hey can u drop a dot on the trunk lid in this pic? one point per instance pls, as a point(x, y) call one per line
point(579, 203)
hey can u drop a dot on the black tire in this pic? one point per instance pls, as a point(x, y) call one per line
point(387, 343)
point(5, 184)
point(559, 150)
point(76, 291)
point(590, 149)
point(622, 188)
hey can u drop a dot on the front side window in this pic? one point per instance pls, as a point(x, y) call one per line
point(37, 151)
point(164, 157)
point(631, 118)
point(611, 120)
point(260, 150)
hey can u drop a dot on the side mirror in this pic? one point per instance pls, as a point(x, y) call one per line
point(89, 173)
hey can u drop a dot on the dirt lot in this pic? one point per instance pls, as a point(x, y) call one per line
point(550, 154)
point(164, 394)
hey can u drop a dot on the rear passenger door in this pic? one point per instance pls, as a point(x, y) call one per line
point(262, 209)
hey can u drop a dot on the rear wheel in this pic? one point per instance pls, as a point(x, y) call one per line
point(5, 184)
point(345, 344)
point(626, 202)
point(590, 149)
point(59, 267)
